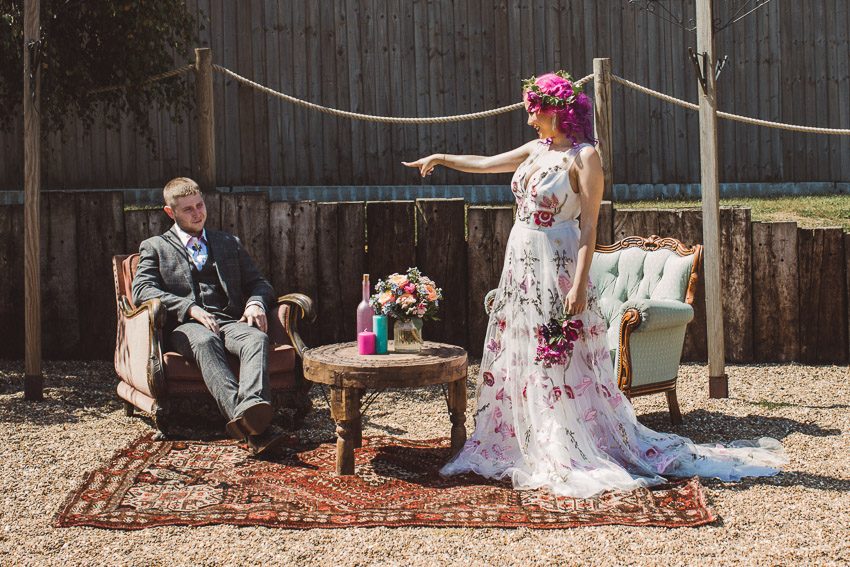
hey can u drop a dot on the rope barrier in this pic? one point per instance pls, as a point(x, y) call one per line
point(735, 117)
point(370, 117)
point(460, 117)
point(166, 75)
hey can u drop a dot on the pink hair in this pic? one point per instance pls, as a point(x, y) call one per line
point(575, 117)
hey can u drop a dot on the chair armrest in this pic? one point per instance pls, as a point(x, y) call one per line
point(138, 354)
point(654, 314)
point(488, 301)
point(297, 306)
point(158, 312)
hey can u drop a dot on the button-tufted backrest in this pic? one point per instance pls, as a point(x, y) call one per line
point(634, 272)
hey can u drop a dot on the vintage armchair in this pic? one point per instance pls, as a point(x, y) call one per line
point(646, 289)
point(165, 384)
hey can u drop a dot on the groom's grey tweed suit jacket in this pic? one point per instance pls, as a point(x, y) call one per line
point(165, 272)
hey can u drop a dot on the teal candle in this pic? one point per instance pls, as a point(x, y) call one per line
point(379, 326)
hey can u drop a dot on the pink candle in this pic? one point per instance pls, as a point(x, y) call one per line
point(366, 342)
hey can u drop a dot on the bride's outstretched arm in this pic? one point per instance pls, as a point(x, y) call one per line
point(500, 163)
point(590, 184)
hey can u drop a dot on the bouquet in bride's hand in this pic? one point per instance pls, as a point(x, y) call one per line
point(407, 296)
point(556, 339)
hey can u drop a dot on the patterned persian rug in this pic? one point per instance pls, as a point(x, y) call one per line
point(194, 483)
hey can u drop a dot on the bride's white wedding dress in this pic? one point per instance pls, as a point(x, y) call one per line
point(568, 427)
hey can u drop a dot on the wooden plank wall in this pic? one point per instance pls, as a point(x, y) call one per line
point(787, 63)
point(786, 289)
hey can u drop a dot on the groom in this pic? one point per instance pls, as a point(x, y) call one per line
point(203, 277)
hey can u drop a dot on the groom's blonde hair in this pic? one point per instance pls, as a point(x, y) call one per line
point(179, 187)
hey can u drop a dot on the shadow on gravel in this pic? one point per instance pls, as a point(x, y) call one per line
point(785, 479)
point(702, 426)
point(73, 391)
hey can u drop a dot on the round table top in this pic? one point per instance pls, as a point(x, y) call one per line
point(340, 365)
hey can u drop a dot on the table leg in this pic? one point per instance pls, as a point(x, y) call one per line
point(345, 412)
point(357, 435)
point(457, 412)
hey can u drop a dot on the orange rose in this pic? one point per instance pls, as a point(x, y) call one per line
point(386, 297)
point(398, 280)
point(432, 293)
point(407, 299)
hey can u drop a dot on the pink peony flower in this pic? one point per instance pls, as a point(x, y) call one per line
point(409, 288)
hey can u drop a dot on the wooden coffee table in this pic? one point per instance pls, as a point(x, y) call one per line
point(349, 375)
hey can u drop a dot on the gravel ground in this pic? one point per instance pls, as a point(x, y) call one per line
point(801, 517)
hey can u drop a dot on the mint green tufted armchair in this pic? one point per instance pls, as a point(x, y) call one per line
point(645, 287)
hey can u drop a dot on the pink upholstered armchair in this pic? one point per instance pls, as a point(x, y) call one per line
point(166, 384)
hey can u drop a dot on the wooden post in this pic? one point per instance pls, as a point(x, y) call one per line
point(602, 121)
point(717, 380)
point(33, 379)
point(206, 119)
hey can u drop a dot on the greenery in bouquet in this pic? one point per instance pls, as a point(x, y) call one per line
point(407, 296)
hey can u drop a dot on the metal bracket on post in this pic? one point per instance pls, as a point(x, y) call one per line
point(718, 66)
point(701, 67)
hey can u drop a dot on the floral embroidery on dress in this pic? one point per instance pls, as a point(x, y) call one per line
point(566, 427)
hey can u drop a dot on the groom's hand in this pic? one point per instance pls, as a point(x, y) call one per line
point(255, 316)
point(204, 318)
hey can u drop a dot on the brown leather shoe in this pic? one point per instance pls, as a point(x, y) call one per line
point(269, 439)
point(253, 421)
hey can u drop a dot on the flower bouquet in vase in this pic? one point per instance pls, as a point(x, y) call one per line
point(409, 298)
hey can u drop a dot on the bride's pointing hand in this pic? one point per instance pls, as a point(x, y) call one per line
point(426, 165)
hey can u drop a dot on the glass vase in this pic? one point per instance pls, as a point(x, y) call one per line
point(407, 336)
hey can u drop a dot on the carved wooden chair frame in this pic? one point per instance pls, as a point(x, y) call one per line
point(202, 404)
point(631, 318)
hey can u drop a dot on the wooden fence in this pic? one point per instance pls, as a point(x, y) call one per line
point(785, 288)
point(788, 62)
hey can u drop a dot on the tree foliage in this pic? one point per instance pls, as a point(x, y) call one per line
point(90, 44)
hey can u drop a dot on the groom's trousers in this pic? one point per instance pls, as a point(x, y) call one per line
point(250, 345)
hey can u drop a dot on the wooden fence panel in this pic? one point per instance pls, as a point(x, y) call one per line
point(247, 216)
point(737, 283)
point(696, 337)
point(441, 255)
point(635, 222)
point(776, 310)
point(489, 228)
point(391, 238)
point(820, 258)
point(294, 253)
point(846, 309)
point(437, 57)
point(786, 293)
point(12, 281)
point(100, 235)
point(341, 234)
point(60, 312)
point(605, 224)
point(141, 224)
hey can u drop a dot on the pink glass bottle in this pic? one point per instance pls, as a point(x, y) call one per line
point(364, 310)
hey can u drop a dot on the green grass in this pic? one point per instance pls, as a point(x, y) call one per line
point(811, 211)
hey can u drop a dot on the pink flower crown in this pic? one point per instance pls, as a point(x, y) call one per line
point(557, 97)
point(571, 107)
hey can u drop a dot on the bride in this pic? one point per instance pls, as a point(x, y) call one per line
point(555, 418)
